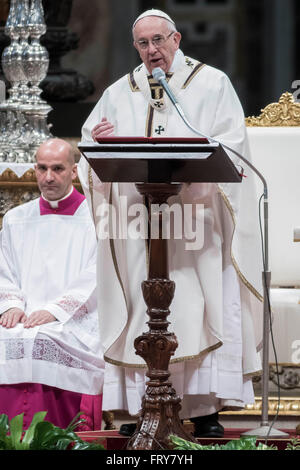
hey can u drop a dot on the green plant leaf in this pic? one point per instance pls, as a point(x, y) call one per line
point(4, 426)
point(63, 443)
point(5, 439)
point(244, 443)
point(75, 422)
point(50, 437)
point(182, 444)
point(29, 434)
point(83, 445)
point(294, 444)
point(16, 431)
point(42, 435)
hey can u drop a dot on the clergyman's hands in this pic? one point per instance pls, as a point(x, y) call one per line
point(11, 317)
point(104, 129)
point(38, 318)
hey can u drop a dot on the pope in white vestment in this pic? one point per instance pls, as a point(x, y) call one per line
point(216, 310)
point(48, 264)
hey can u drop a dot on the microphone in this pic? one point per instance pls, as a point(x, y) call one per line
point(160, 77)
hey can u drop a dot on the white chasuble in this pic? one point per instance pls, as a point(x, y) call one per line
point(216, 310)
point(48, 262)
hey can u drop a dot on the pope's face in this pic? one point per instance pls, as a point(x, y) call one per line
point(54, 171)
point(153, 56)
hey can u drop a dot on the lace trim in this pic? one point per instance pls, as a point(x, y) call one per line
point(69, 303)
point(17, 348)
point(41, 350)
point(47, 350)
point(84, 321)
point(7, 296)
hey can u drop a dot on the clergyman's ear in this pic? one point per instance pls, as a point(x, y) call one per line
point(74, 172)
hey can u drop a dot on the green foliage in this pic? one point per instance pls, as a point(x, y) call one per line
point(41, 435)
point(244, 443)
point(293, 445)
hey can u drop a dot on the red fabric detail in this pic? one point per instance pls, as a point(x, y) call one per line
point(61, 405)
point(91, 406)
point(67, 206)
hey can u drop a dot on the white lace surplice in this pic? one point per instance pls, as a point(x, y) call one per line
point(51, 266)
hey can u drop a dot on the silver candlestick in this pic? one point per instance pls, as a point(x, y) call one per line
point(22, 28)
point(35, 56)
point(35, 65)
point(11, 57)
point(25, 64)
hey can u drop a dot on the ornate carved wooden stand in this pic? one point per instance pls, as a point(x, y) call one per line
point(154, 164)
point(160, 405)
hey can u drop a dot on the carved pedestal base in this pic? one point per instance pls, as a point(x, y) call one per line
point(159, 419)
point(160, 406)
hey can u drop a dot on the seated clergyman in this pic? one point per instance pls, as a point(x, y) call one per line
point(50, 354)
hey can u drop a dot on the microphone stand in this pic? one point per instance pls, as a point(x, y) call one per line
point(265, 430)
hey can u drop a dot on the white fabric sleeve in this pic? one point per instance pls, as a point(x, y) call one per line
point(229, 123)
point(78, 292)
point(11, 295)
point(58, 312)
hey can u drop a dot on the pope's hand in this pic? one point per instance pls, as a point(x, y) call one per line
point(11, 317)
point(104, 129)
point(39, 317)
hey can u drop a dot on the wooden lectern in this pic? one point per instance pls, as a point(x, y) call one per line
point(158, 167)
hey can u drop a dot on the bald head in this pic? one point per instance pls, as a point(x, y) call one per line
point(55, 168)
point(58, 147)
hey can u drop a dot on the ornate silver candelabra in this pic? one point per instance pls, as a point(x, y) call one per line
point(25, 62)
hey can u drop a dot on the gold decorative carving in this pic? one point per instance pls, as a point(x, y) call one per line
point(284, 113)
point(16, 190)
point(289, 406)
point(9, 178)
